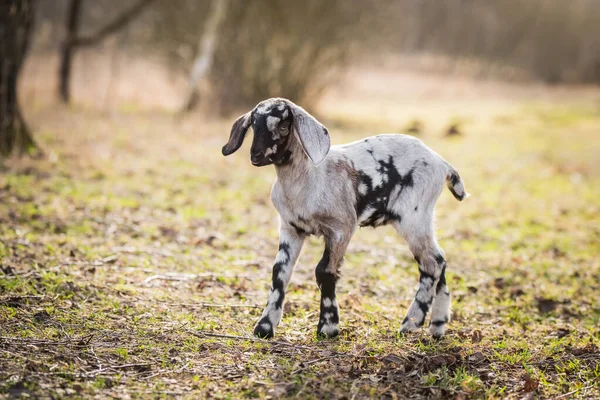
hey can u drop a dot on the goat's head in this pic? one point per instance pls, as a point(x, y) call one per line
point(273, 122)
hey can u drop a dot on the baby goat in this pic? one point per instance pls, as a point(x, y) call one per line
point(330, 190)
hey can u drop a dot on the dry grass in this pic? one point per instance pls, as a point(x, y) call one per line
point(135, 260)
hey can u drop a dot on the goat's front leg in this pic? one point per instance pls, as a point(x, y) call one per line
point(327, 274)
point(290, 244)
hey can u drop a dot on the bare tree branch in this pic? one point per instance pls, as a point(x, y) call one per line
point(112, 27)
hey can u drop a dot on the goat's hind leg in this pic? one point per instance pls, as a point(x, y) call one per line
point(440, 310)
point(290, 244)
point(430, 259)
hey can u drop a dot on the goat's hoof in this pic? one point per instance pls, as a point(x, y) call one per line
point(264, 330)
point(437, 331)
point(408, 326)
point(327, 331)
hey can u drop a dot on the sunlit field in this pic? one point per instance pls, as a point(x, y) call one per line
point(136, 259)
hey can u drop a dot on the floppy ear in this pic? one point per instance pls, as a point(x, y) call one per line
point(313, 136)
point(238, 132)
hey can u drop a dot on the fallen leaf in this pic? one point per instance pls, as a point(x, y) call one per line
point(41, 316)
point(499, 283)
point(530, 383)
point(476, 357)
point(346, 368)
point(359, 348)
point(562, 332)
point(440, 360)
point(546, 306)
point(393, 358)
point(476, 336)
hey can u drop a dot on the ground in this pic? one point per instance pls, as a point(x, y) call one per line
point(135, 259)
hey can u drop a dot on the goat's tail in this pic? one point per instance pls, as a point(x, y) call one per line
point(455, 184)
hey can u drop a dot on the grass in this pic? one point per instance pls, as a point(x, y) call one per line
point(135, 260)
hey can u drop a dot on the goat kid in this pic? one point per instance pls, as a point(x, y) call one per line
point(330, 190)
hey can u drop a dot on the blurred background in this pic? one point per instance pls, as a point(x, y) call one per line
point(223, 56)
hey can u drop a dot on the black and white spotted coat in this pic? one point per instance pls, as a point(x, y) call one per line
point(329, 191)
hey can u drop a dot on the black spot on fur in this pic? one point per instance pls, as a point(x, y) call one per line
point(439, 322)
point(442, 282)
point(424, 309)
point(424, 275)
point(326, 281)
point(283, 246)
point(440, 259)
point(416, 208)
point(455, 194)
point(299, 231)
point(454, 179)
point(277, 267)
point(277, 284)
point(378, 198)
point(286, 158)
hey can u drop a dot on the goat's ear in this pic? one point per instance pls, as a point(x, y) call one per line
point(313, 136)
point(238, 133)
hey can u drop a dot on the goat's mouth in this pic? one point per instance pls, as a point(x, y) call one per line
point(263, 162)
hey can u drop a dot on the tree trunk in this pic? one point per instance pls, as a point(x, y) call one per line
point(204, 58)
point(16, 20)
point(67, 50)
point(73, 41)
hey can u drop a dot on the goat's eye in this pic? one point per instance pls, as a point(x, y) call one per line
point(283, 127)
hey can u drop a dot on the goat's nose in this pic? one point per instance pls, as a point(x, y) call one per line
point(256, 157)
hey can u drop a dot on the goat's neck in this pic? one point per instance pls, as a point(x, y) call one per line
point(297, 171)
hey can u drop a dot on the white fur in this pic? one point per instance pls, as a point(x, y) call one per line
point(272, 123)
point(313, 191)
point(329, 329)
point(330, 190)
point(271, 150)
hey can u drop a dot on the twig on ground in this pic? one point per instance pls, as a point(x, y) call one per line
point(98, 371)
point(318, 360)
point(203, 334)
point(573, 392)
point(174, 371)
point(11, 298)
point(178, 276)
point(204, 305)
point(15, 355)
point(73, 342)
point(171, 277)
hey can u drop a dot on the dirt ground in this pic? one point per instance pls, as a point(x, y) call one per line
point(135, 258)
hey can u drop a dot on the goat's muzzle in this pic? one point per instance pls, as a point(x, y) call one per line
point(259, 160)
